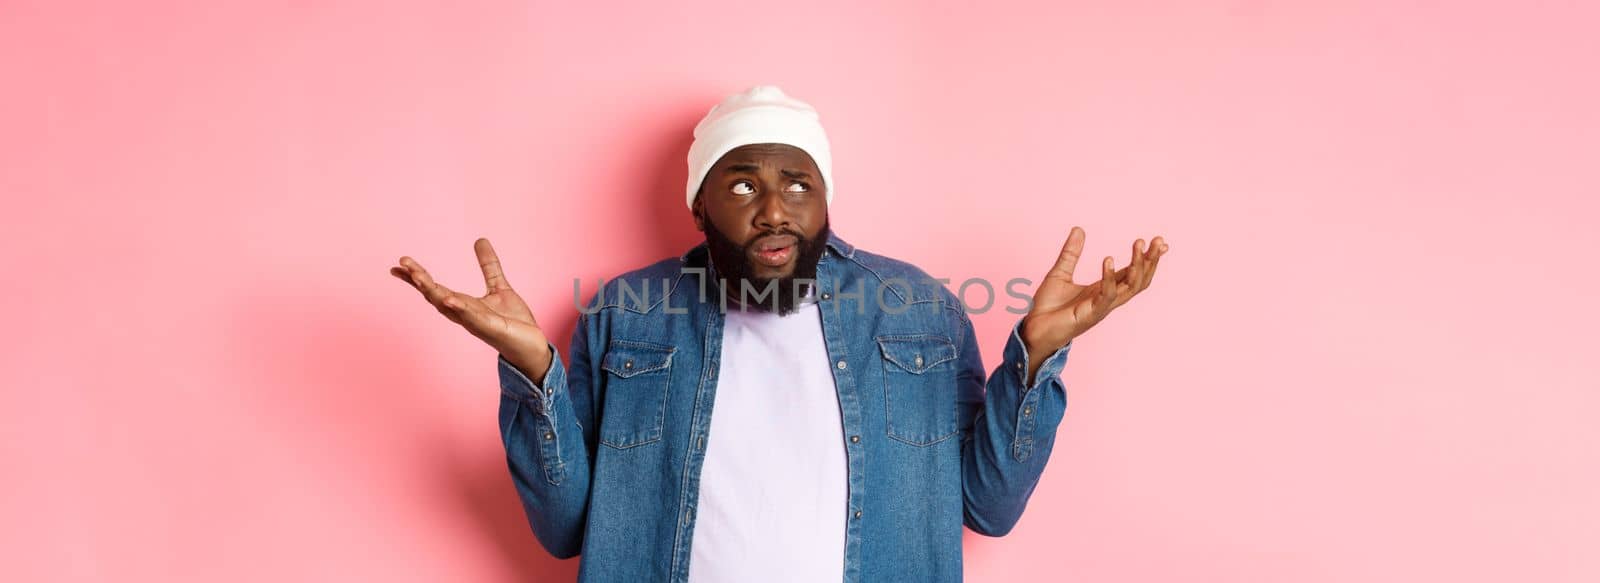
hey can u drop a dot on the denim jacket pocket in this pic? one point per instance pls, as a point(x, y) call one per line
point(919, 387)
point(638, 375)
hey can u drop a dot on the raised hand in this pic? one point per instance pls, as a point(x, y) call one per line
point(499, 318)
point(1062, 310)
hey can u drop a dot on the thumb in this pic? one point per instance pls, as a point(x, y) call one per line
point(1067, 260)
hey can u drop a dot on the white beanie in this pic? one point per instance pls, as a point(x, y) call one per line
point(759, 115)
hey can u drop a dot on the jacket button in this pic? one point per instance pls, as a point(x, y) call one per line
point(858, 514)
point(548, 436)
point(1026, 411)
point(919, 360)
point(855, 439)
point(628, 364)
point(826, 295)
point(841, 365)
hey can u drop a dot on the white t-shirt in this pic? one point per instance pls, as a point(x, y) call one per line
point(774, 492)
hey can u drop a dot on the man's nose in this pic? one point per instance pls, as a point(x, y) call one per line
point(772, 212)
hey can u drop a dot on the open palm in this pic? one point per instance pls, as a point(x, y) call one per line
point(499, 318)
point(1062, 309)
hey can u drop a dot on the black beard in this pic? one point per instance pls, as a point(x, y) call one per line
point(734, 267)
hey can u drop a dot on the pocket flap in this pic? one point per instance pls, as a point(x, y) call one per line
point(626, 358)
point(916, 354)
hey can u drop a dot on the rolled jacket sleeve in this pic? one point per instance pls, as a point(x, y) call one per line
point(545, 448)
point(515, 384)
point(1009, 428)
point(1046, 399)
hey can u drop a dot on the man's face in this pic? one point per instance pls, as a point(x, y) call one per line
point(765, 213)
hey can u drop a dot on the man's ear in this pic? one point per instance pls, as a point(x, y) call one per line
point(699, 213)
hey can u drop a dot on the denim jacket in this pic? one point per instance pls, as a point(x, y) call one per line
point(606, 449)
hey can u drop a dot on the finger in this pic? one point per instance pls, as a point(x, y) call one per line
point(439, 295)
point(493, 278)
point(1119, 279)
point(410, 267)
point(1144, 258)
point(401, 274)
point(1108, 285)
point(1157, 250)
point(435, 292)
point(1160, 247)
point(1067, 261)
point(1136, 266)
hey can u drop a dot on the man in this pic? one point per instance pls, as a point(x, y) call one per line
point(776, 404)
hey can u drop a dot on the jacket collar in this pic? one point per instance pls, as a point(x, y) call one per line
point(839, 245)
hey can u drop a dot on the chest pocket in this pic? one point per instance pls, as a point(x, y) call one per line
point(919, 387)
point(638, 375)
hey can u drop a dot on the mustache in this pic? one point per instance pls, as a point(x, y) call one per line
point(800, 237)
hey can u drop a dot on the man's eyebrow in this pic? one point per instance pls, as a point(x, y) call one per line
point(748, 168)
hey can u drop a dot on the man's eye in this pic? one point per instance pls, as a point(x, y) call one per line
point(742, 187)
point(798, 187)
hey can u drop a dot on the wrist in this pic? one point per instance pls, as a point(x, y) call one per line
point(1030, 338)
point(533, 365)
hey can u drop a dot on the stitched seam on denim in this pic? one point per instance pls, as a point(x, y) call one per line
point(663, 369)
point(893, 338)
point(881, 279)
point(550, 470)
point(888, 408)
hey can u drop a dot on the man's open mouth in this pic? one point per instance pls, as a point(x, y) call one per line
point(775, 250)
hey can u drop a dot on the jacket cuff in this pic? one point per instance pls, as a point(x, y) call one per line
point(1017, 358)
point(515, 384)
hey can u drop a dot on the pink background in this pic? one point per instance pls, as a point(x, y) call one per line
point(1368, 356)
